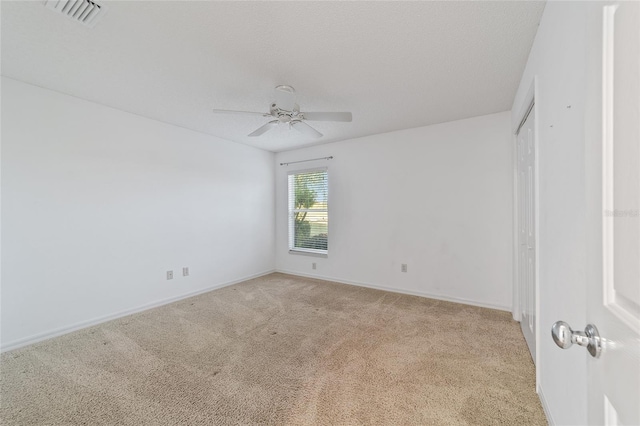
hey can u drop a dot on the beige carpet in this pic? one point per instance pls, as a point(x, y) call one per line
point(280, 350)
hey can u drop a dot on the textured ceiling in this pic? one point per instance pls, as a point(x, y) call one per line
point(395, 65)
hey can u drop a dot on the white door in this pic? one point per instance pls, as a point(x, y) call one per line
point(526, 229)
point(613, 211)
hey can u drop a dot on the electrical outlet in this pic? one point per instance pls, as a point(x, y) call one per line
point(313, 265)
point(185, 271)
point(169, 275)
point(403, 268)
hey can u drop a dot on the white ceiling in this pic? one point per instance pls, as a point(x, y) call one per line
point(395, 65)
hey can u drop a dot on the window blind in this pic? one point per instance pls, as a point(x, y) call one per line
point(308, 211)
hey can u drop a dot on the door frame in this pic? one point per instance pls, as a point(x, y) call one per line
point(529, 104)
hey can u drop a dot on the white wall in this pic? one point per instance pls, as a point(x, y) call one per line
point(98, 204)
point(558, 59)
point(438, 198)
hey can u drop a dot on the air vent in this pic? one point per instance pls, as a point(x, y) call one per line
point(86, 12)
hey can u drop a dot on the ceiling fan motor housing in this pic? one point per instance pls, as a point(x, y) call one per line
point(285, 116)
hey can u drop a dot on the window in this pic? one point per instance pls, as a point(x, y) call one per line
point(308, 211)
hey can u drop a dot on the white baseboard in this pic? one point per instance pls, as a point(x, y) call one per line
point(402, 291)
point(545, 407)
point(19, 343)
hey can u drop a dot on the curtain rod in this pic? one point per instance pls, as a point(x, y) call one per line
point(304, 161)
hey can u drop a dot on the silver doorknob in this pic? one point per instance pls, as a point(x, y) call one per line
point(565, 337)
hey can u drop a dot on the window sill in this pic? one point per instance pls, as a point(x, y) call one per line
point(308, 253)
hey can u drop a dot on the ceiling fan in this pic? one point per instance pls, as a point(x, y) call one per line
point(285, 110)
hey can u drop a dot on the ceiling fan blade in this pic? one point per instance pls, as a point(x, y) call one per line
point(327, 116)
point(285, 98)
point(303, 127)
point(228, 111)
point(264, 128)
